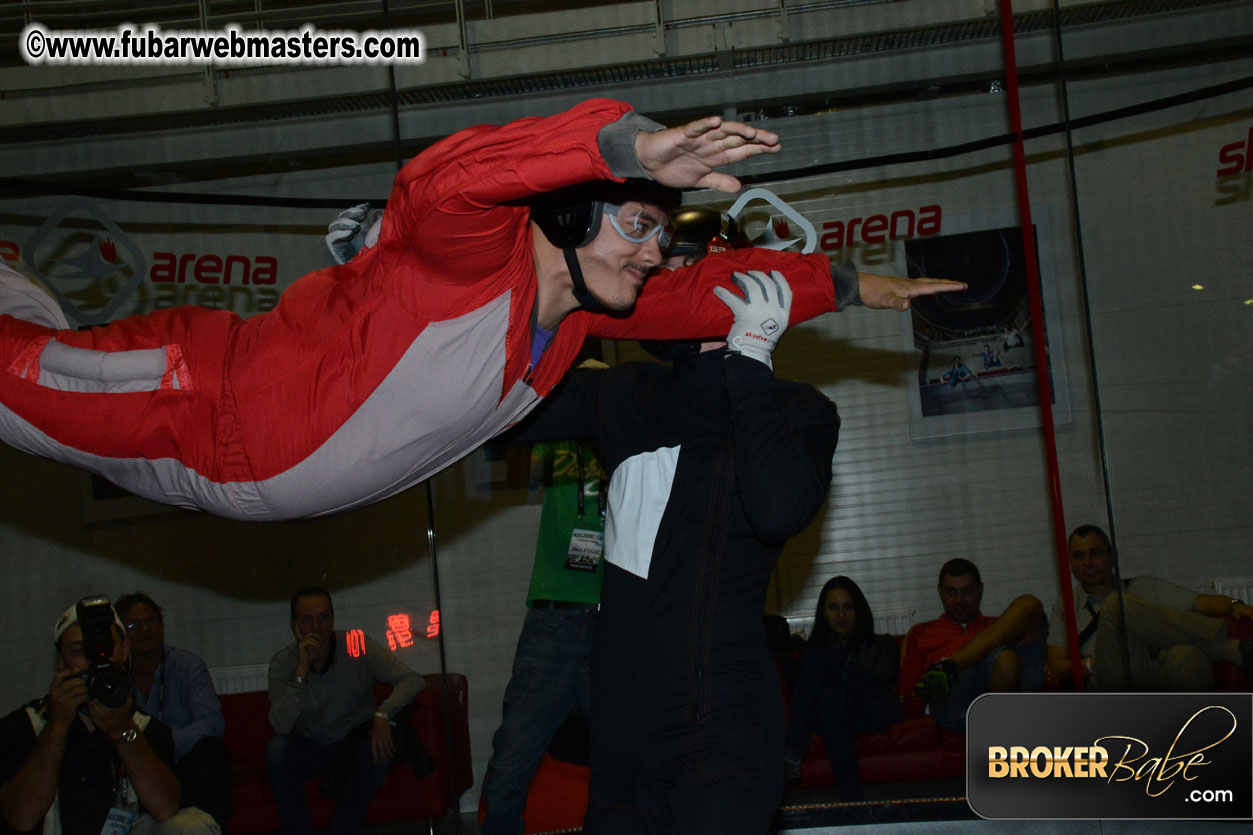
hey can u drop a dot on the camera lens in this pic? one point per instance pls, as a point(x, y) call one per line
point(109, 687)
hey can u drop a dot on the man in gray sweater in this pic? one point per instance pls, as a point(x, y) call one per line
point(321, 705)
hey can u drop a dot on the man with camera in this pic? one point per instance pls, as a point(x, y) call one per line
point(82, 759)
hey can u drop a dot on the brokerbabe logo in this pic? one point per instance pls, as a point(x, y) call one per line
point(1110, 755)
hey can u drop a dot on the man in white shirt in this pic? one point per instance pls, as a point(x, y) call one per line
point(1173, 634)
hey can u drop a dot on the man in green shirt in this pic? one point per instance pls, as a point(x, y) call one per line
point(550, 674)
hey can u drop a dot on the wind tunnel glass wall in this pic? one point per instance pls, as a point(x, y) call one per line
point(938, 457)
point(1171, 298)
point(940, 452)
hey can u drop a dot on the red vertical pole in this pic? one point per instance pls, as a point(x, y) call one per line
point(1035, 299)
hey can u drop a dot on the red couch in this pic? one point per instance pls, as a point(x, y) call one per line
point(557, 798)
point(403, 797)
point(1227, 676)
point(919, 749)
point(916, 749)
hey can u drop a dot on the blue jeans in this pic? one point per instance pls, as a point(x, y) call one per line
point(550, 678)
point(291, 760)
point(973, 682)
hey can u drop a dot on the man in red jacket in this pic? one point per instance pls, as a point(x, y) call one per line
point(959, 656)
point(372, 376)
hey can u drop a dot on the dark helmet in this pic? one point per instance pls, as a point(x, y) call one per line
point(699, 231)
point(570, 217)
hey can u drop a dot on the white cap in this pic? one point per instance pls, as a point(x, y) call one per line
point(71, 616)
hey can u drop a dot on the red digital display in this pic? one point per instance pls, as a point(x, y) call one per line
point(398, 632)
point(432, 627)
point(356, 642)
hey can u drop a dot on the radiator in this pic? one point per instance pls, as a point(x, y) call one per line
point(1240, 588)
point(245, 679)
point(886, 622)
point(800, 624)
point(893, 621)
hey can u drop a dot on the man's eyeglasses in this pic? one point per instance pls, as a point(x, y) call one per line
point(146, 623)
point(637, 225)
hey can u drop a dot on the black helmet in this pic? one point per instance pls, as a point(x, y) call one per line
point(671, 350)
point(699, 231)
point(570, 219)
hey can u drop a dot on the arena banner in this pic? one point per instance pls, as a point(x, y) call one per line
point(1111, 755)
point(104, 260)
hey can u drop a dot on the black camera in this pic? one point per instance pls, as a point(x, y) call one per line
point(107, 682)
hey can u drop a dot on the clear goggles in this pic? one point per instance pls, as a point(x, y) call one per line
point(637, 224)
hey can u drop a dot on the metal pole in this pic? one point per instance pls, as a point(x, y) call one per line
point(463, 36)
point(1092, 364)
point(1035, 299)
point(449, 748)
point(443, 665)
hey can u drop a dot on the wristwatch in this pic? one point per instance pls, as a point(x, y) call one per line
point(129, 735)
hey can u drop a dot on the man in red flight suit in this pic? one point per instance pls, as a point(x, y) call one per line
point(374, 375)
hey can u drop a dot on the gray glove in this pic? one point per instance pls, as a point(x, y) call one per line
point(348, 234)
point(761, 316)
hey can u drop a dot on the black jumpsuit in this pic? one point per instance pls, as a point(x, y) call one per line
point(687, 712)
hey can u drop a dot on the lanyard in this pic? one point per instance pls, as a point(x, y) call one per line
point(600, 490)
point(161, 688)
point(121, 785)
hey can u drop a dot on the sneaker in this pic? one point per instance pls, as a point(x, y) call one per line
point(937, 682)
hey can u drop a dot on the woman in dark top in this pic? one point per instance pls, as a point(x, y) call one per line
point(845, 684)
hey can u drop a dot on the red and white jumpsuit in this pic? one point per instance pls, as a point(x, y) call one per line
point(368, 377)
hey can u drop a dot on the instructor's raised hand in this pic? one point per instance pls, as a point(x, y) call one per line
point(885, 292)
point(687, 156)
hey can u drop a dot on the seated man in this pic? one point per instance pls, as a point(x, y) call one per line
point(1174, 635)
point(322, 710)
point(954, 659)
point(82, 759)
point(173, 685)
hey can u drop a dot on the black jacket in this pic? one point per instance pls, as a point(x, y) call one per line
point(750, 461)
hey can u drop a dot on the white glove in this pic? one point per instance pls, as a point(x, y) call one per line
point(761, 316)
point(344, 236)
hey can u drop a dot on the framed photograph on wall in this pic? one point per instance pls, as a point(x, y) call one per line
point(972, 361)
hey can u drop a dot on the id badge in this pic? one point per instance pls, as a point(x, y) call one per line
point(585, 549)
point(118, 822)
